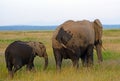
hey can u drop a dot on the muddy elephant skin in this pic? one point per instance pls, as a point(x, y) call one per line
point(76, 39)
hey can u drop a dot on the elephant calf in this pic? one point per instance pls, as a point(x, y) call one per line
point(20, 53)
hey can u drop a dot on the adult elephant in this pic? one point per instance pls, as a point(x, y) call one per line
point(76, 39)
point(20, 53)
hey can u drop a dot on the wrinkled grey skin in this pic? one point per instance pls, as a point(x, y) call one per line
point(76, 39)
point(20, 53)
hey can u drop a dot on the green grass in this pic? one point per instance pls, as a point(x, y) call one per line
point(112, 33)
point(108, 70)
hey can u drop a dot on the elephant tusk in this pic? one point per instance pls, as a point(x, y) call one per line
point(103, 47)
point(63, 45)
point(67, 48)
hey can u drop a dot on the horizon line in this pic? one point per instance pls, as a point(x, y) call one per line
point(48, 25)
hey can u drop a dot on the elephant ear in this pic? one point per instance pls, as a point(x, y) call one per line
point(97, 21)
point(98, 31)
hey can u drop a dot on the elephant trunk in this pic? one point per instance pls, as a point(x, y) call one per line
point(46, 61)
point(98, 38)
point(99, 51)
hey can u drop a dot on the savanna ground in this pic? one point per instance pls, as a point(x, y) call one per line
point(109, 70)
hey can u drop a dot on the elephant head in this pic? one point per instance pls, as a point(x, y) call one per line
point(39, 50)
point(98, 38)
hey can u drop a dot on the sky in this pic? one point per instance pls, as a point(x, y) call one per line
point(55, 12)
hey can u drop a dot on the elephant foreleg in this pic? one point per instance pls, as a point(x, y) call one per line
point(90, 55)
point(75, 62)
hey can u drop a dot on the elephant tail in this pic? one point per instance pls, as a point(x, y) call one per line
point(103, 47)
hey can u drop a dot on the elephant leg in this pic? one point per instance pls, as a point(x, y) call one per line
point(30, 65)
point(84, 60)
point(58, 58)
point(17, 64)
point(9, 67)
point(16, 67)
point(90, 55)
point(76, 56)
point(75, 62)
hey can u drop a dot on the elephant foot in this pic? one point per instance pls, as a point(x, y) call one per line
point(75, 62)
point(99, 62)
point(11, 74)
point(58, 70)
point(90, 65)
point(33, 69)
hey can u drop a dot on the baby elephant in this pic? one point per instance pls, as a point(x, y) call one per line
point(20, 53)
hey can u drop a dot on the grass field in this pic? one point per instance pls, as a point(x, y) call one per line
point(109, 70)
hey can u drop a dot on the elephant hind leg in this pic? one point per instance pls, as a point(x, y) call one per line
point(30, 67)
point(58, 58)
point(17, 65)
point(75, 57)
point(15, 68)
point(9, 67)
point(84, 60)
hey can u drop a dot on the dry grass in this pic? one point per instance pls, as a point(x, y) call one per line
point(8, 37)
point(109, 70)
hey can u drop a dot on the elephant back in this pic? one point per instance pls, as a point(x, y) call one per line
point(55, 43)
point(70, 31)
point(38, 47)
